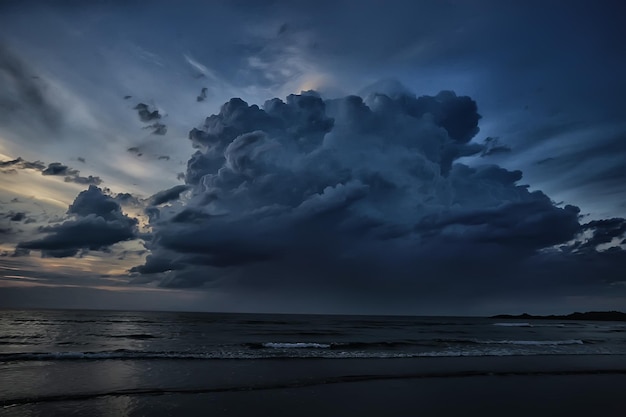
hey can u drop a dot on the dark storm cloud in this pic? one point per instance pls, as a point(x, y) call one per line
point(203, 94)
point(167, 195)
point(91, 233)
point(89, 180)
point(360, 195)
point(135, 150)
point(56, 168)
point(96, 222)
point(151, 117)
point(603, 232)
point(145, 114)
point(157, 128)
point(549, 89)
point(94, 201)
point(190, 216)
point(17, 217)
point(126, 199)
point(153, 213)
point(20, 163)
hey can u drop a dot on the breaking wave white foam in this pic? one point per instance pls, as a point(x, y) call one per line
point(534, 342)
point(296, 345)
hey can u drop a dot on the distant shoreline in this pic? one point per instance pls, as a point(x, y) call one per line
point(589, 315)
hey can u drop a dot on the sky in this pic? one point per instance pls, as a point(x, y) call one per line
point(401, 157)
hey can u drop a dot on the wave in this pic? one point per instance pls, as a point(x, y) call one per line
point(307, 349)
point(116, 354)
point(409, 344)
point(498, 349)
point(296, 345)
point(139, 355)
point(340, 345)
point(526, 324)
point(58, 321)
point(511, 342)
point(139, 336)
point(533, 342)
point(20, 336)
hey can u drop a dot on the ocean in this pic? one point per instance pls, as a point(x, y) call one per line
point(115, 363)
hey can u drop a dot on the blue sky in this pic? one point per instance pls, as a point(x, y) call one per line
point(506, 194)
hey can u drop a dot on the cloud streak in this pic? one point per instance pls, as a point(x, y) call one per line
point(55, 169)
point(23, 99)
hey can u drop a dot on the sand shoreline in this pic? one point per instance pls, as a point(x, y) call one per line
point(314, 387)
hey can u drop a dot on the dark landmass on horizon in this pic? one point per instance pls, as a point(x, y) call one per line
point(589, 315)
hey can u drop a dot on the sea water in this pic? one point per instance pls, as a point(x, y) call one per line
point(90, 335)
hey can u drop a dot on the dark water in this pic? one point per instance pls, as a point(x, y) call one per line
point(80, 335)
point(158, 364)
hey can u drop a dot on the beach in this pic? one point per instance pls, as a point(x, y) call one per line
point(131, 364)
point(491, 386)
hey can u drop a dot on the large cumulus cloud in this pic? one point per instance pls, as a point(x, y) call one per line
point(354, 194)
point(96, 222)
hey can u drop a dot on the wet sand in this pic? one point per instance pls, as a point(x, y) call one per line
point(485, 386)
